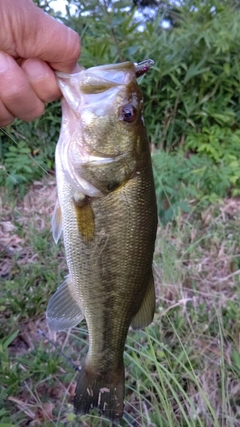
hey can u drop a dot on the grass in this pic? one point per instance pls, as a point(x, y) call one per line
point(183, 370)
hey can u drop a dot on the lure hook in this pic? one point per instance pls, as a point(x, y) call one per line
point(143, 67)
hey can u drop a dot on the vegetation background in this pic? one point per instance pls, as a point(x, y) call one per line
point(184, 369)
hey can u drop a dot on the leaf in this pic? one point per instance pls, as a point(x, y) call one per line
point(5, 342)
point(45, 412)
point(175, 80)
point(193, 71)
point(27, 408)
point(122, 4)
point(184, 207)
point(226, 68)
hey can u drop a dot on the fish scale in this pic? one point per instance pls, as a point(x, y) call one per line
point(107, 212)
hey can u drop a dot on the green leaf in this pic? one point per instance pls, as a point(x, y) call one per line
point(6, 341)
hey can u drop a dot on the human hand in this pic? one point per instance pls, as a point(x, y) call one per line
point(32, 45)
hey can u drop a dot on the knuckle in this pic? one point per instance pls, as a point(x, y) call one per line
point(6, 118)
point(5, 121)
point(36, 111)
point(52, 97)
point(77, 46)
point(14, 92)
point(73, 43)
point(47, 90)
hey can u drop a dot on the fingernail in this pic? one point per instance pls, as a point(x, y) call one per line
point(35, 69)
point(4, 62)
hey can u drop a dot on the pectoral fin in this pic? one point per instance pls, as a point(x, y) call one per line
point(63, 312)
point(145, 314)
point(57, 222)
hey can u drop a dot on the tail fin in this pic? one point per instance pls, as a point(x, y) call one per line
point(97, 391)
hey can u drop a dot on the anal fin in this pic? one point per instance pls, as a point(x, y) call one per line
point(63, 312)
point(145, 314)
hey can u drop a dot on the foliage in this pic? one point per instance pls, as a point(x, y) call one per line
point(22, 167)
point(191, 95)
point(195, 81)
point(219, 143)
point(186, 183)
point(222, 145)
point(27, 149)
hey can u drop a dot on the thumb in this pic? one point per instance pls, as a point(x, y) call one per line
point(37, 35)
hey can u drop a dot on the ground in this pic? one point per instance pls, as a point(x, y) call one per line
point(182, 370)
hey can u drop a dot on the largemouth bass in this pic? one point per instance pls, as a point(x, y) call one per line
point(107, 212)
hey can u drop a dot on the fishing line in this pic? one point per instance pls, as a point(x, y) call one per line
point(10, 176)
point(59, 351)
point(25, 152)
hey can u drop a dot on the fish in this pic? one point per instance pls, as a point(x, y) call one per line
point(107, 213)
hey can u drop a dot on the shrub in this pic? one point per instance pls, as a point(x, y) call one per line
point(192, 94)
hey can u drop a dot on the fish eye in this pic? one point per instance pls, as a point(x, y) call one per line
point(128, 113)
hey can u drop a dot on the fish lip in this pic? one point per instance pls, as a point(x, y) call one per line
point(62, 75)
point(105, 67)
point(110, 74)
point(140, 68)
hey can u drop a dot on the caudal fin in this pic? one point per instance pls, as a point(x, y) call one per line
point(97, 391)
